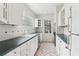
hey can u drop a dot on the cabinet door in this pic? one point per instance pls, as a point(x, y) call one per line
point(59, 20)
point(15, 52)
point(23, 49)
point(15, 11)
point(33, 45)
point(3, 13)
point(35, 42)
point(36, 22)
point(29, 48)
point(64, 51)
point(57, 45)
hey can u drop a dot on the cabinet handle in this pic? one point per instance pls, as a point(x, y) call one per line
point(14, 52)
point(66, 47)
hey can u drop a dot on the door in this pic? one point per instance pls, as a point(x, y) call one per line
point(75, 45)
point(47, 33)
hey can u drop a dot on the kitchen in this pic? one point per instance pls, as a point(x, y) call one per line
point(39, 29)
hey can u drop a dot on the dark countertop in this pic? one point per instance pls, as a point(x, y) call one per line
point(64, 38)
point(10, 44)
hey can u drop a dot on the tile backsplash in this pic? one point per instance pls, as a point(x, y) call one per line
point(7, 32)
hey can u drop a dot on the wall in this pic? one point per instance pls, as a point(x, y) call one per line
point(7, 31)
point(59, 6)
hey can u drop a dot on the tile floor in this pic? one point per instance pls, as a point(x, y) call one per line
point(46, 49)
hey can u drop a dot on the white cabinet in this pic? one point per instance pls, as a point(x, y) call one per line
point(61, 17)
point(64, 51)
point(64, 14)
point(36, 22)
point(15, 52)
point(59, 21)
point(33, 46)
point(58, 45)
point(19, 14)
point(0, 11)
point(27, 49)
point(3, 13)
point(15, 13)
point(23, 49)
point(61, 47)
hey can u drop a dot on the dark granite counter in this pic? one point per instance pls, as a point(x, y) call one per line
point(64, 38)
point(10, 44)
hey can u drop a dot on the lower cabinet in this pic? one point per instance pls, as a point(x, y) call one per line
point(23, 49)
point(15, 52)
point(58, 45)
point(33, 45)
point(61, 47)
point(30, 47)
point(64, 51)
point(27, 49)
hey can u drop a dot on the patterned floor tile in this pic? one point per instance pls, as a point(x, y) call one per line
point(46, 49)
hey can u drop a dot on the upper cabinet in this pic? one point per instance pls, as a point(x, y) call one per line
point(10, 13)
point(38, 23)
point(61, 17)
point(16, 13)
point(64, 15)
point(3, 13)
point(28, 16)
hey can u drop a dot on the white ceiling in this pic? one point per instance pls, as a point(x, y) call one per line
point(42, 8)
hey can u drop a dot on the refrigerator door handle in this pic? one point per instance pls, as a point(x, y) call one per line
point(75, 34)
point(70, 20)
point(68, 24)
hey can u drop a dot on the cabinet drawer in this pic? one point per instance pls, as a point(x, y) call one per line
point(15, 52)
